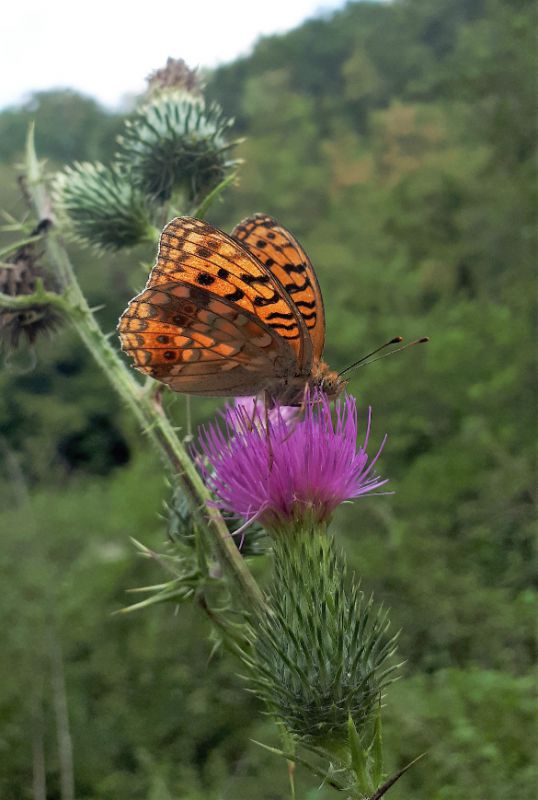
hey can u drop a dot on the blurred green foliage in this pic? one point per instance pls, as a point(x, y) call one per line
point(397, 142)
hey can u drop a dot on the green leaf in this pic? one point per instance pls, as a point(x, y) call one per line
point(377, 750)
point(394, 778)
point(359, 758)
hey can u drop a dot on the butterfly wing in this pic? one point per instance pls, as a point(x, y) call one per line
point(283, 256)
point(199, 344)
point(207, 321)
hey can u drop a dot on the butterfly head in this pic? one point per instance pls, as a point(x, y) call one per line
point(327, 380)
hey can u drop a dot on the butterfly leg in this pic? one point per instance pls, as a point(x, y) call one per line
point(255, 413)
point(266, 402)
point(300, 412)
point(304, 401)
point(188, 415)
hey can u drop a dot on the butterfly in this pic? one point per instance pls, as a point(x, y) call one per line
point(230, 315)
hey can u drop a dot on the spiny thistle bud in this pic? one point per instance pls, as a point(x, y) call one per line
point(18, 280)
point(320, 653)
point(175, 75)
point(102, 207)
point(176, 142)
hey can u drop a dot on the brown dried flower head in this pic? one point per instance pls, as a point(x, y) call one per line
point(175, 75)
point(20, 279)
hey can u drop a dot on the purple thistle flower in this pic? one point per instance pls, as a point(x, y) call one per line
point(295, 471)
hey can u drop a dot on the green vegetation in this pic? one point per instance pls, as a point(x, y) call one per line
point(397, 142)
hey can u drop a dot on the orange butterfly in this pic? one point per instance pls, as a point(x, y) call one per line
point(230, 315)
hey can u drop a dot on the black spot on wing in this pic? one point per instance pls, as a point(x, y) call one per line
point(266, 301)
point(205, 279)
point(305, 304)
point(275, 315)
point(251, 279)
point(293, 288)
point(278, 326)
point(236, 295)
point(294, 268)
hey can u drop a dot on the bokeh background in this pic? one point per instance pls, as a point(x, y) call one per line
point(396, 140)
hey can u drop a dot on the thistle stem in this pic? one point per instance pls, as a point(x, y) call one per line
point(150, 416)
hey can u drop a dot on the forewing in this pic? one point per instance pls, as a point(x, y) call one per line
point(193, 253)
point(281, 253)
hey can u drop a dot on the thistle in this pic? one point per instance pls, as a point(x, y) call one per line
point(320, 654)
point(174, 148)
point(286, 473)
point(176, 143)
point(101, 206)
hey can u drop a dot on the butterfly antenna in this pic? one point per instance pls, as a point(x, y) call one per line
point(395, 340)
point(422, 340)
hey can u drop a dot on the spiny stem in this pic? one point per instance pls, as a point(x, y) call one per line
point(37, 298)
point(152, 419)
point(200, 211)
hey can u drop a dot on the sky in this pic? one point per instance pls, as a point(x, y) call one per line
point(106, 48)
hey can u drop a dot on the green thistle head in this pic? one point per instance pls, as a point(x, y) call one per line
point(176, 143)
point(101, 206)
point(320, 655)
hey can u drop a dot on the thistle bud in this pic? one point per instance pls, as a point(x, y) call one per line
point(320, 654)
point(101, 206)
point(176, 142)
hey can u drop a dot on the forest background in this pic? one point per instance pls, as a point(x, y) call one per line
point(397, 142)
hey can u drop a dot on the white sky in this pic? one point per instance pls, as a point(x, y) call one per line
point(105, 48)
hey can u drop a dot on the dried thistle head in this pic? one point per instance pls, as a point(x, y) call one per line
point(175, 75)
point(18, 279)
